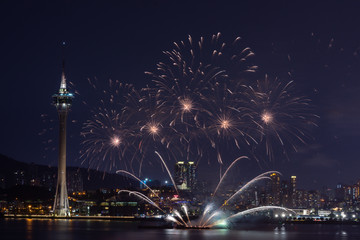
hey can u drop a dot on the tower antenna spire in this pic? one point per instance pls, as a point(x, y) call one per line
point(63, 78)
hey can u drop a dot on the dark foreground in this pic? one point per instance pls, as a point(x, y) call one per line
point(63, 229)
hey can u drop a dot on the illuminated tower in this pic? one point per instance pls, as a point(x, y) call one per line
point(62, 101)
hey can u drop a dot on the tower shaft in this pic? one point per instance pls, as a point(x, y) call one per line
point(61, 203)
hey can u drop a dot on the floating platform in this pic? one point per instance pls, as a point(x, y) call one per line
point(192, 227)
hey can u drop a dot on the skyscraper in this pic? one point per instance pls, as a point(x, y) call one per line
point(293, 191)
point(191, 174)
point(62, 101)
point(185, 175)
point(274, 185)
point(180, 175)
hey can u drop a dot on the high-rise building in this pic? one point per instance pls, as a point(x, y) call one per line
point(75, 182)
point(285, 194)
point(293, 190)
point(274, 197)
point(339, 192)
point(33, 175)
point(185, 175)
point(302, 198)
point(180, 175)
point(48, 180)
point(355, 191)
point(2, 182)
point(62, 101)
point(19, 178)
point(191, 170)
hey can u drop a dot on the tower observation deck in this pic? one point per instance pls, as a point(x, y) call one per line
point(62, 101)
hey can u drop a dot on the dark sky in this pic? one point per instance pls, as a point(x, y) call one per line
point(120, 40)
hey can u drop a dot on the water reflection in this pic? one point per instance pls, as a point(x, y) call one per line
point(29, 228)
point(341, 235)
point(60, 229)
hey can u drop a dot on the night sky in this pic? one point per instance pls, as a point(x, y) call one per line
point(317, 41)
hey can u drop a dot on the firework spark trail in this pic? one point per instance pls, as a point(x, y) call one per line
point(186, 213)
point(219, 212)
point(257, 209)
point(167, 169)
point(248, 211)
point(216, 213)
point(258, 178)
point(171, 218)
point(132, 175)
point(269, 172)
point(181, 219)
point(206, 210)
point(143, 197)
point(224, 175)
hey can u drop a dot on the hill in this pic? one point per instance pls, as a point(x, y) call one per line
point(15, 173)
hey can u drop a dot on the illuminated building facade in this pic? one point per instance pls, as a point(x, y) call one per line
point(75, 182)
point(191, 175)
point(274, 194)
point(185, 175)
point(62, 101)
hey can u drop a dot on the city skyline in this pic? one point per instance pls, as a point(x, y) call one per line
point(322, 59)
point(273, 191)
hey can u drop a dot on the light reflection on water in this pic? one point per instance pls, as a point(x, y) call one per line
point(29, 228)
point(41, 229)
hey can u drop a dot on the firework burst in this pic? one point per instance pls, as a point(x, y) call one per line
point(108, 136)
point(283, 118)
point(188, 84)
point(201, 103)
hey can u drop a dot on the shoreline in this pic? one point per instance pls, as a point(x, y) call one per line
point(122, 218)
point(153, 219)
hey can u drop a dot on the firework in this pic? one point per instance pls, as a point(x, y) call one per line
point(142, 197)
point(227, 170)
point(168, 171)
point(109, 134)
point(212, 217)
point(231, 128)
point(250, 211)
point(153, 131)
point(138, 179)
point(187, 87)
point(200, 104)
point(106, 140)
point(283, 118)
